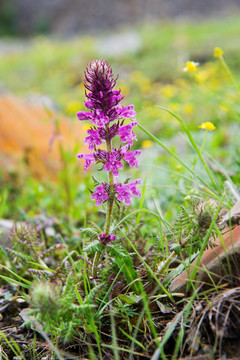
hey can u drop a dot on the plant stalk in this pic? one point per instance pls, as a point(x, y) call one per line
point(110, 200)
point(108, 213)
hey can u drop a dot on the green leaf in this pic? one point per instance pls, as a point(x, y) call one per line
point(130, 299)
point(117, 251)
point(92, 233)
point(130, 274)
point(93, 247)
point(91, 295)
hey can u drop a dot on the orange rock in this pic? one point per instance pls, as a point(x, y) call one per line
point(26, 131)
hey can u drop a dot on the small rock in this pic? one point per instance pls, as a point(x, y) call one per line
point(5, 228)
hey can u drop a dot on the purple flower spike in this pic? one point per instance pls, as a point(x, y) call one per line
point(103, 104)
point(130, 158)
point(100, 195)
point(89, 160)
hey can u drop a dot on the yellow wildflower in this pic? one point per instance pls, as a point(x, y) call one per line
point(207, 126)
point(218, 52)
point(191, 66)
point(147, 144)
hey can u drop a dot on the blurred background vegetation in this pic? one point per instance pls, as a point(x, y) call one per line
point(44, 50)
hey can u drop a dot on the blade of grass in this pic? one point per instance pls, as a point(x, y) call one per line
point(172, 326)
point(101, 307)
point(194, 145)
point(121, 349)
point(90, 319)
point(10, 280)
point(204, 244)
point(228, 70)
point(133, 339)
point(13, 346)
point(130, 274)
point(147, 267)
point(175, 156)
point(114, 338)
point(132, 214)
point(3, 202)
point(141, 202)
point(16, 275)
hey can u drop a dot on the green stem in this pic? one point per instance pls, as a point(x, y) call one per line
point(108, 213)
point(110, 200)
point(95, 263)
point(226, 67)
point(201, 149)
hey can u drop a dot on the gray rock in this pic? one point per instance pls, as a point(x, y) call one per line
point(5, 228)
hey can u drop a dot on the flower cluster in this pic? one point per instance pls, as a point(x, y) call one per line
point(105, 239)
point(107, 117)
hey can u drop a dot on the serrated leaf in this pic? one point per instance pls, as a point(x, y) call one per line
point(117, 251)
point(93, 247)
point(90, 232)
point(91, 295)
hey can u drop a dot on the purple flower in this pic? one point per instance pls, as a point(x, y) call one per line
point(133, 189)
point(125, 192)
point(100, 195)
point(113, 163)
point(84, 115)
point(126, 112)
point(97, 117)
point(106, 239)
point(89, 160)
point(93, 138)
point(108, 133)
point(126, 134)
point(100, 119)
point(111, 160)
point(130, 158)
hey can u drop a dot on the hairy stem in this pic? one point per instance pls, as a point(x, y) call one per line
point(110, 200)
point(108, 214)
